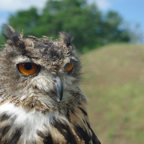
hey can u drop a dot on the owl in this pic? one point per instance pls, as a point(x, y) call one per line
point(40, 98)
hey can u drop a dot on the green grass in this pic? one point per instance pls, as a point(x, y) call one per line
point(113, 81)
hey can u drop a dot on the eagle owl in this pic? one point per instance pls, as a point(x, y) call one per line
point(40, 98)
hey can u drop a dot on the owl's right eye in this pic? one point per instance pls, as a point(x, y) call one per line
point(69, 67)
point(27, 68)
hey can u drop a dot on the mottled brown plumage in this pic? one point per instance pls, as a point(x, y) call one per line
point(45, 106)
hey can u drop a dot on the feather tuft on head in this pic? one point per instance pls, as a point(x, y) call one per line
point(13, 37)
point(66, 38)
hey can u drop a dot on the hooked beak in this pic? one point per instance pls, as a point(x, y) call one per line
point(57, 93)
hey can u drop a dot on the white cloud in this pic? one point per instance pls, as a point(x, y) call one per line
point(15, 5)
point(102, 4)
point(10, 6)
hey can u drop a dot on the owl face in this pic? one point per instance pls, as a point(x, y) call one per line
point(38, 67)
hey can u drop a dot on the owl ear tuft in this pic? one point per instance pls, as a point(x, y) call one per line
point(12, 36)
point(66, 38)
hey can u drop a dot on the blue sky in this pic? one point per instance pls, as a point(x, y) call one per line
point(132, 11)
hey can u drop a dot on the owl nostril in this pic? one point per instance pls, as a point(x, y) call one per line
point(53, 92)
point(35, 87)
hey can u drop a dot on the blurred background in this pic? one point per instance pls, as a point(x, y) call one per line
point(109, 35)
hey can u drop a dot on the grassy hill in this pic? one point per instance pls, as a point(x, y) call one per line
point(113, 81)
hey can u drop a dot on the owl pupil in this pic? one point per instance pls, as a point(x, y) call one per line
point(28, 66)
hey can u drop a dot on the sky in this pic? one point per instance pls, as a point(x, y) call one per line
point(132, 11)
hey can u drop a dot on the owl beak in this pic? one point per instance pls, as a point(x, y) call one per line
point(58, 90)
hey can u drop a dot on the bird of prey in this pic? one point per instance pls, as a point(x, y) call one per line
point(40, 98)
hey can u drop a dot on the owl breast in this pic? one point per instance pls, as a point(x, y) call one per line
point(19, 126)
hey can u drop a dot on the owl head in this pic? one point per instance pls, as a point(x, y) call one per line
point(39, 67)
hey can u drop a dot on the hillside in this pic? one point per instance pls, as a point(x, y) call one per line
point(113, 81)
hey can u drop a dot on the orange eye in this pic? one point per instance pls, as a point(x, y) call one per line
point(27, 68)
point(70, 67)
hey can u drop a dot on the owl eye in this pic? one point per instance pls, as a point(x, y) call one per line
point(27, 68)
point(69, 67)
